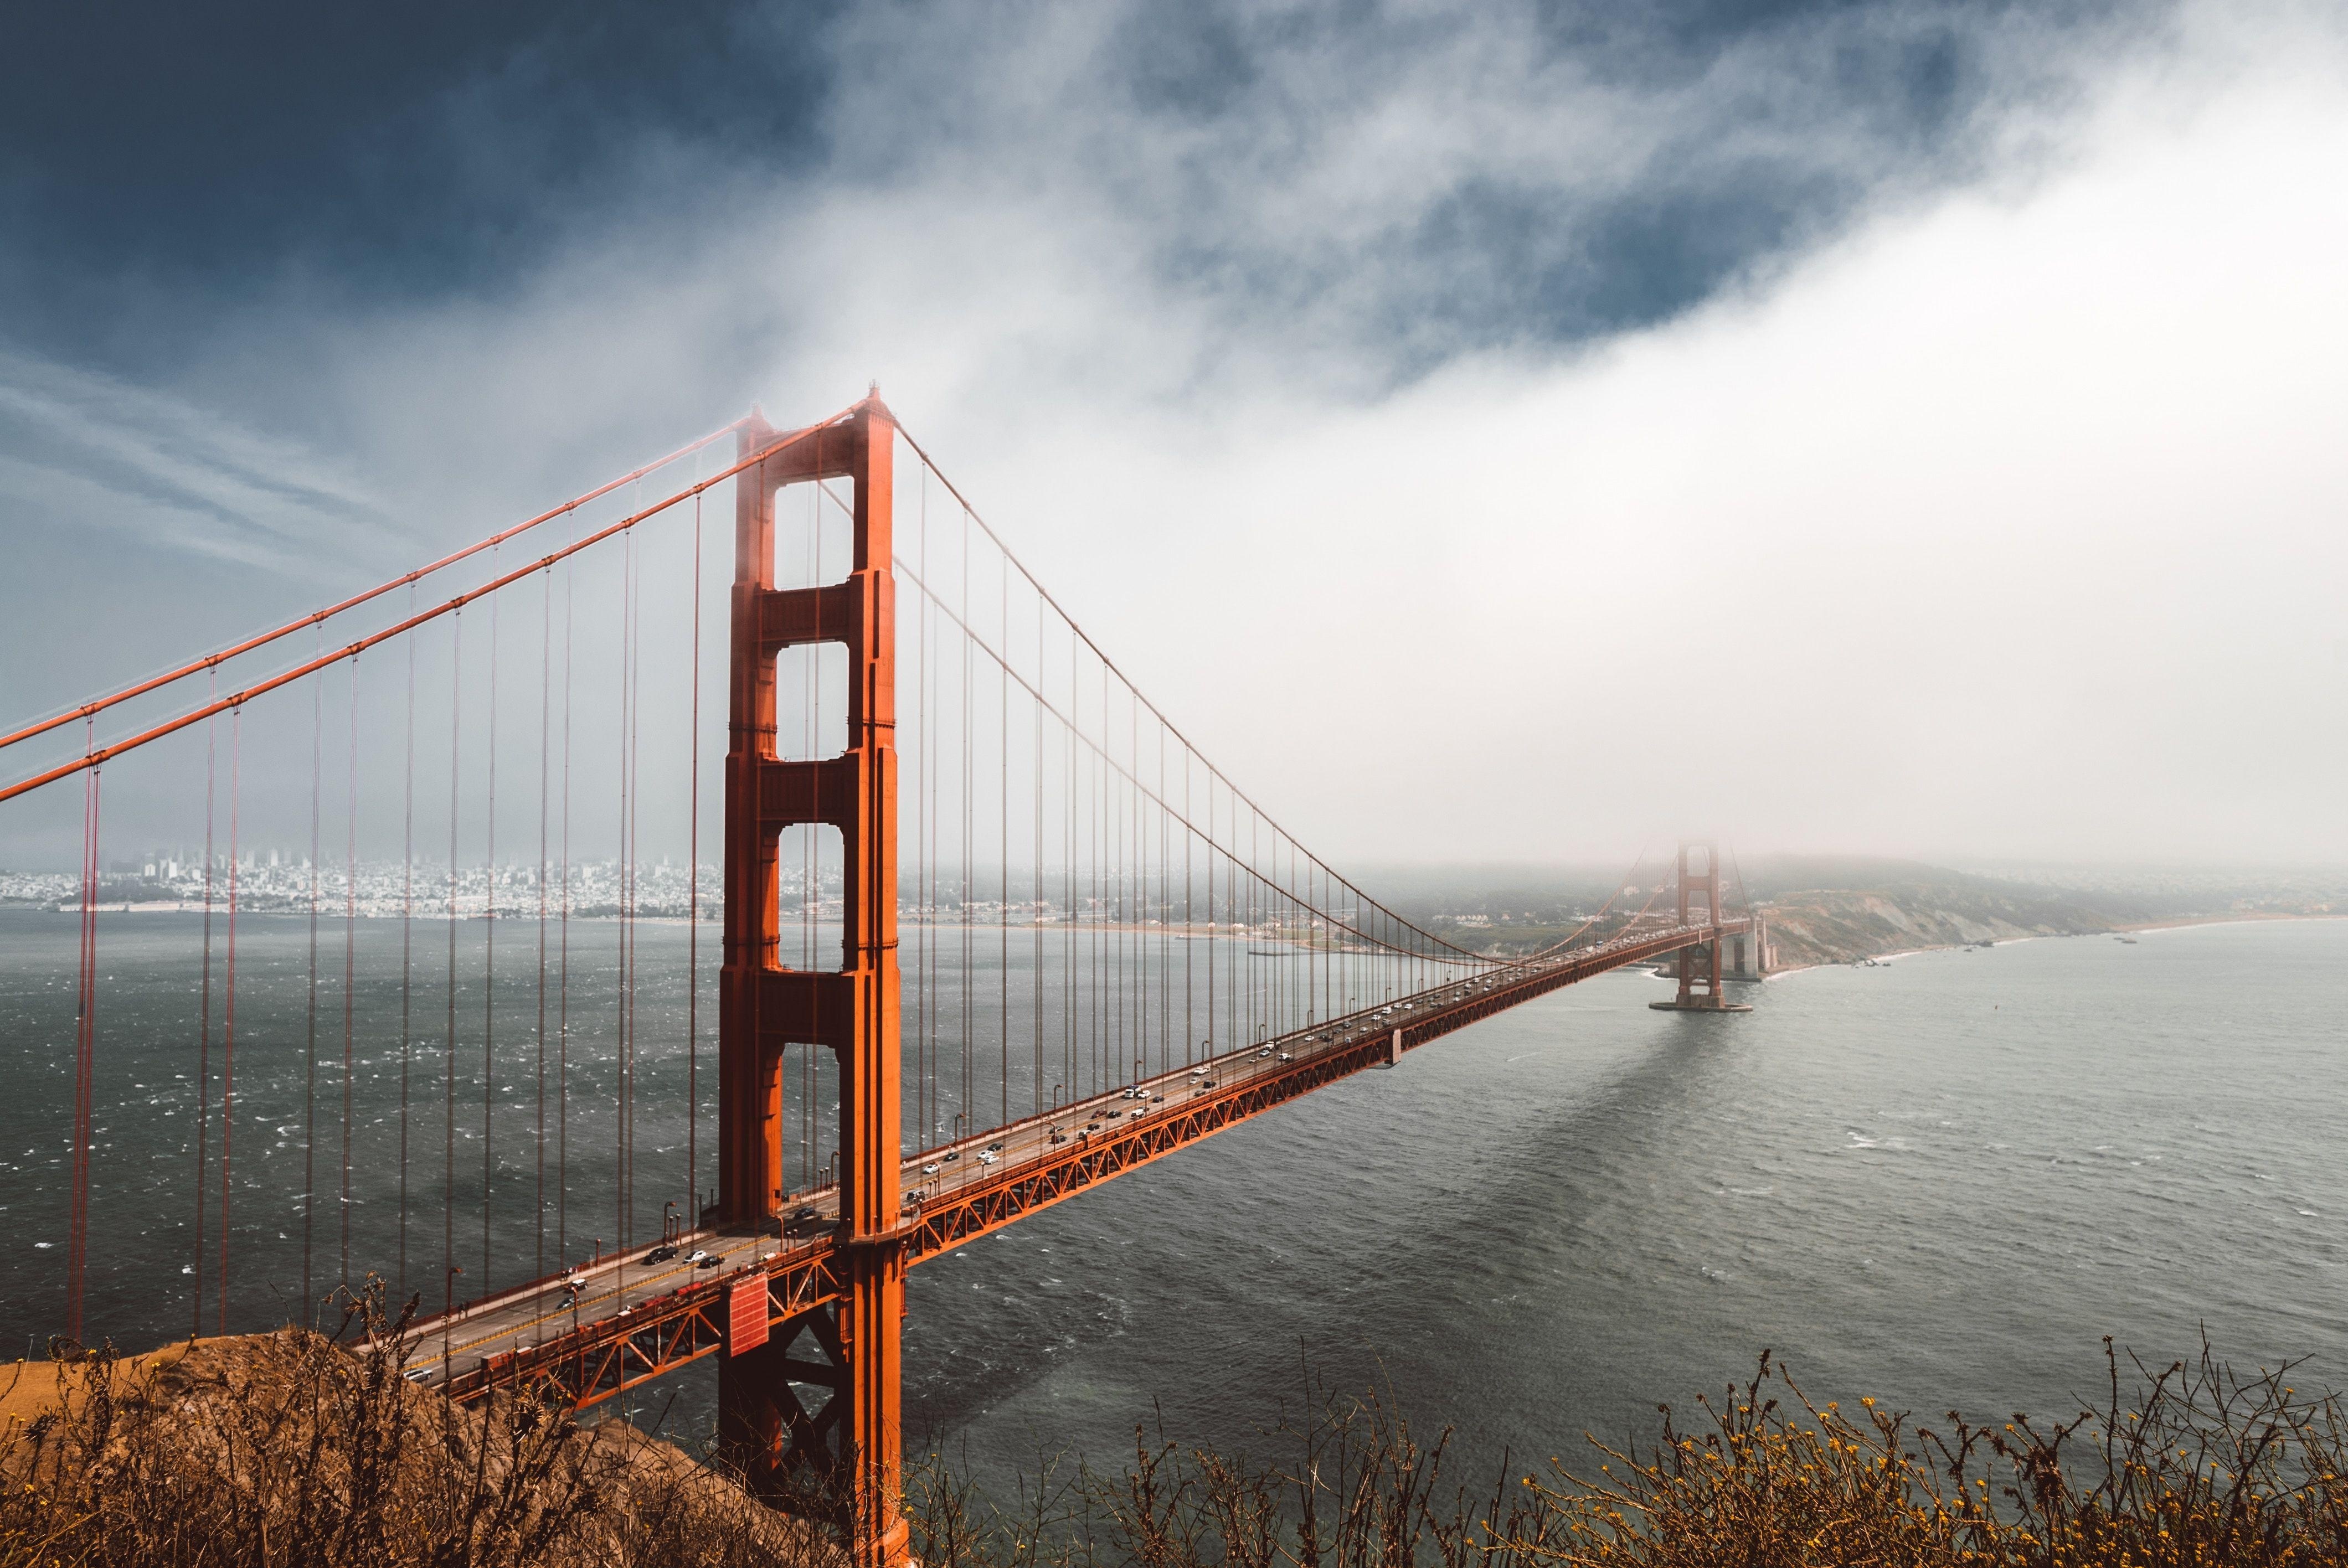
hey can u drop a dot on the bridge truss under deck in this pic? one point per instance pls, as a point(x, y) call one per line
point(631, 1323)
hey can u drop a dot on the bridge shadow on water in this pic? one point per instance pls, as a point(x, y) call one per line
point(1450, 1230)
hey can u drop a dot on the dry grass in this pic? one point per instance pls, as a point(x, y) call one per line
point(289, 1449)
point(2193, 1465)
point(285, 1450)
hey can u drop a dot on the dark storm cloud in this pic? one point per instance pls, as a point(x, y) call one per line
point(179, 154)
point(1406, 186)
point(158, 165)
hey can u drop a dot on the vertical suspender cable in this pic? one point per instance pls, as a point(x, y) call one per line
point(1115, 1053)
point(77, 1219)
point(926, 819)
point(693, 906)
point(545, 735)
point(310, 1080)
point(1136, 921)
point(1102, 844)
point(1036, 884)
point(1165, 904)
point(620, 996)
point(350, 966)
point(228, 1019)
point(1068, 946)
point(1257, 913)
point(204, 1006)
point(448, 1046)
point(489, 954)
point(406, 940)
point(635, 796)
point(563, 960)
point(967, 828)
point(1003, 742)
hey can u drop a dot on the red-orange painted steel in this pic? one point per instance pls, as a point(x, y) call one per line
point(236, 700)
point(745, 1317)
point(1701, 963)
point(805, 1282)
point(853, 1012)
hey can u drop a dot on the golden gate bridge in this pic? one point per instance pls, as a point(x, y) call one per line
point(1038, 940)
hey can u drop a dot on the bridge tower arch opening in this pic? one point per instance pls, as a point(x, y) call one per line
point(843, 1456)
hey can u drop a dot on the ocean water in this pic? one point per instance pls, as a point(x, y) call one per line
point(1939, 1182)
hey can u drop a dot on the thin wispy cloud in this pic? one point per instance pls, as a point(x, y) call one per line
point(93, 453)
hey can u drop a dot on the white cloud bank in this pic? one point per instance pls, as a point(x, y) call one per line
point(2008, 522)
point(2011, 525)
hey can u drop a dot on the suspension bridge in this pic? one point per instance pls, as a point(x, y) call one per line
point(991, 931)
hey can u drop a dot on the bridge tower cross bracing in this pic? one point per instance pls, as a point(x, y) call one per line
point(851, 1448)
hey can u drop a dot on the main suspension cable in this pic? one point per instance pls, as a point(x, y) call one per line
point(449, 607)
point(318, 618)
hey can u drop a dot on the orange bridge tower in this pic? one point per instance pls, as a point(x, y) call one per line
point(845, 1453)
point(1701, 977)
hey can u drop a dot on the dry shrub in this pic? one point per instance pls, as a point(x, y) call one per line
point(2194, 1465)
point(1361, 1491)
point(289, 1449)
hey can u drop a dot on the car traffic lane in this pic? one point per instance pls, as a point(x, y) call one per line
point(616, 1285)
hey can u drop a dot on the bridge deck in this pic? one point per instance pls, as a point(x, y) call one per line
point(604, 1327)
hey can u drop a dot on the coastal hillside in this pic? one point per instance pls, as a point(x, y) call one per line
point(285, 1449)
point(1830, 912)
point(1840, 909)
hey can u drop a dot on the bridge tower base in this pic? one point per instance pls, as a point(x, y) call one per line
point(1701, 980)
point(817, 1432)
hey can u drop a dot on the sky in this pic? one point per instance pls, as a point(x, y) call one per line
point(1497, 432)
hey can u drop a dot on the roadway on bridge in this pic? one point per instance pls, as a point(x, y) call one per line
point(616, 1285)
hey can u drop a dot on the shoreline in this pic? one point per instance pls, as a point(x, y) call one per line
point(2174, 923)
point(2240, 917)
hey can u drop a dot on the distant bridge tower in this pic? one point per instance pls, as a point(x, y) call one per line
point(847, 1451)
point(1748, 954)
point(1701, 975)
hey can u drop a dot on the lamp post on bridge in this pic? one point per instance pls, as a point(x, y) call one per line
point(447, 1310)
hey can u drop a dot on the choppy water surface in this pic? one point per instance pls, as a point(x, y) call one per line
point(1939, 1182)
